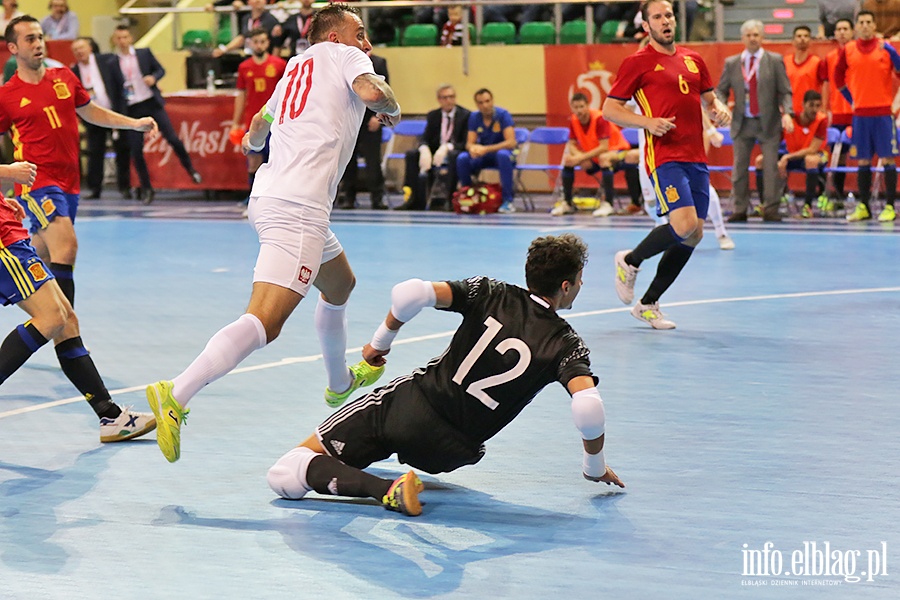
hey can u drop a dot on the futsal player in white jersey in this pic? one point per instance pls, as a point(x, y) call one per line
point(314, 117)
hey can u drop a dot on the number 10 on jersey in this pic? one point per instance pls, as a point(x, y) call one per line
point(301, 78)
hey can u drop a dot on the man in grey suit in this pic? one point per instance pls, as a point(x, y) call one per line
point(762, 107)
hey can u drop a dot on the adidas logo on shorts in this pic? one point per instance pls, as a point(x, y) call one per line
point(338, 446)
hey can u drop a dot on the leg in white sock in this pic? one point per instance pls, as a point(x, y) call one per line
point(647, 186)
point(224, 351)
point(715, 212)
point(331, 327)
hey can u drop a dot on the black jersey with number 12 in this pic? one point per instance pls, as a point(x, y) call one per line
point(509, 346)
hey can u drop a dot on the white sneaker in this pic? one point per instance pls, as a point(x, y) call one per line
point(650, 313)
point(506, 207)
point(562, 208)
point(127, 425)
point(625, 277)
point(726, 243)
point(604, 210)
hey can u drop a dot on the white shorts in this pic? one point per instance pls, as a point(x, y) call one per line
point(294, 241)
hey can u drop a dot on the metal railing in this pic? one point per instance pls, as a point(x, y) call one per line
point(129, 8)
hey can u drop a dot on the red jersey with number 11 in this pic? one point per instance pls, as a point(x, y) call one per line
point(667, 86)
point(44, 127)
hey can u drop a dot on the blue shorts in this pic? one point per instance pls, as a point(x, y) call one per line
point(45, 204)
point(678, 184)
point(873, 135)
point(21, 272)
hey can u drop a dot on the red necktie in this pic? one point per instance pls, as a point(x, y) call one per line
point(754, 99)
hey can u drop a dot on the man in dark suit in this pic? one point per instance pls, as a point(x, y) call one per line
point(446, 129)
point(101, 77)
point(368, 146)
point(762, 107)
point(141, 71)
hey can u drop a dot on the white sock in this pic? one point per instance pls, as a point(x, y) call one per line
point(715, 212)
point(287, 477)
point(331, 327)
point(647, 190)
point(224, 351)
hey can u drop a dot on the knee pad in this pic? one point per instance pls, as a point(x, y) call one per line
point(287, 477)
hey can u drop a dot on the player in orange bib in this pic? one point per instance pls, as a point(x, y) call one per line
point(806, 150)
point(864, 74)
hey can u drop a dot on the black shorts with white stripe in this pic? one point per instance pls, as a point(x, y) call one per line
point(396, 419)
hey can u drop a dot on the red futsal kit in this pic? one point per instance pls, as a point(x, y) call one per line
point(44, 126)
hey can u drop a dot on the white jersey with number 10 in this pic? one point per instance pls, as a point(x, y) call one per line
point(315, 118)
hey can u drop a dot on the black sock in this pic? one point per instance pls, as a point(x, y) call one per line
point(78, 366)
point(568, 181)
point(760, 185)
point(328, 475)
point(660, 239)
point(633, 179)
point(890, 184)
point(812, 185)
point(839, 184)
point(864, 177)
point(670, 265)
point(64, 278)
point(609, 190)
point(19, 345)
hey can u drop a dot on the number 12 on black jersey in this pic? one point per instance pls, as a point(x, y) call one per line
point(476, 388)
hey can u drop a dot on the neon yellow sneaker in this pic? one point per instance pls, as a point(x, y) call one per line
point(169, 417)
point(888, 214)
point(860, 213)
point(403, 495)
point(363, 374)
point(825, 205)
point(806, 212)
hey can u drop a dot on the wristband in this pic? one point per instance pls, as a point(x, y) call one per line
point(711, 130)
point(255, 148)
point(594, 465)
point(394, 113)
point(383, 338)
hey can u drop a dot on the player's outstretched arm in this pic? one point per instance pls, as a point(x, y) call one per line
point(97, 115)
point(20, 172)
point(590, 419)
point(379, 97)
point(408, 298)
point(255, 138)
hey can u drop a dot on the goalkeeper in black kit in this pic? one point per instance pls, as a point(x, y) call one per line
point(510, 345)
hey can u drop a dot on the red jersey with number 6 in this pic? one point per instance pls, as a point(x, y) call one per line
point(44, 126)
point(667, 86)
point(258, 80)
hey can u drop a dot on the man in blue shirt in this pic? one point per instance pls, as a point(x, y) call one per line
point(490, 143)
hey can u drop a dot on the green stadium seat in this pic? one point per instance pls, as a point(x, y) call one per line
point(424, 34)
point(498, 33)
point(608, 31)
point(197, 38)
point(573, 32)
point(537, 32)
point(224, 36)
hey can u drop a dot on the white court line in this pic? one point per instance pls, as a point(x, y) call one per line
point(444, 334)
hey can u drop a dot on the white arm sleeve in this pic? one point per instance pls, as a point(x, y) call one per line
point(589, 414)
point(409, 297)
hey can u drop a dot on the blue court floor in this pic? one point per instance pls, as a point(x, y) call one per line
point(758, 441)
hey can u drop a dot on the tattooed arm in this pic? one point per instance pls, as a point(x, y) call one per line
point(379, 97)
